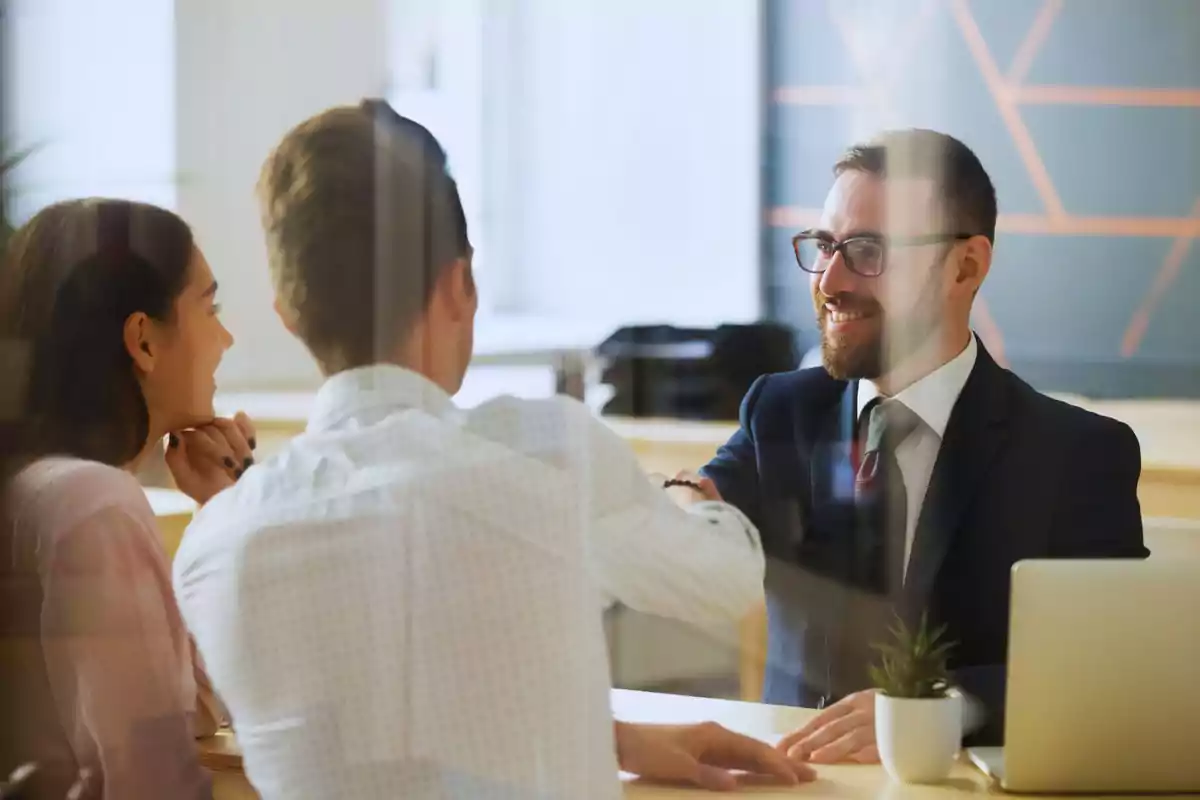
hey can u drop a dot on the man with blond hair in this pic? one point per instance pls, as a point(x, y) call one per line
point(407, 601)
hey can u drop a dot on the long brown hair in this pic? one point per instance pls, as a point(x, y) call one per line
point(70, 279)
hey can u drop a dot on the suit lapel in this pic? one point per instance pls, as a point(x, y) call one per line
point(974, 435)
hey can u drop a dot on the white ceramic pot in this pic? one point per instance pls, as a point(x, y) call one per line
point(918, 739)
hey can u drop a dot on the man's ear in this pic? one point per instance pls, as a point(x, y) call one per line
point(974, 263)
point(459, 288)
point(138, 335)
point(286, 317)
point(469, 273)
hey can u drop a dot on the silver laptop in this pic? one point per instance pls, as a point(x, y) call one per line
point(1103, 679)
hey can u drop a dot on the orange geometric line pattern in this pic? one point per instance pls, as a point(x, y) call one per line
point(876, 87)
point(1008, 110)
point(1009, 93)
point(1038, 225)
point(881, 78)
point(1104, 96)
point(1033, 42)
point(912, 37)
point(1167, 274)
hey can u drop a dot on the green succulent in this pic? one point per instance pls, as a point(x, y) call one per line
point(913, 664)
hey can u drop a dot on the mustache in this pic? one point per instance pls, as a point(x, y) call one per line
point(845, 301)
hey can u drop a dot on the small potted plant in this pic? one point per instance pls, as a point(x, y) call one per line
point(918, 716)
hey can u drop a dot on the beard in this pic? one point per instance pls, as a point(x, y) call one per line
point(887, 342)
point(844, 358)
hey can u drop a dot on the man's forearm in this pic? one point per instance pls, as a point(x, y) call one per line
point(700, 567)
point(620, 740)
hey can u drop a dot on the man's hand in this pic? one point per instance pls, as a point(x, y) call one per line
point(210, 458)
point(702, 755)
point(844, 732)
point(686, 495)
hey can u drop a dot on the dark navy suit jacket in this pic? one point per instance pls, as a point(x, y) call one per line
point(1019, 475)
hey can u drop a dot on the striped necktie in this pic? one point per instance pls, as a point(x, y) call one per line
point(880, 492)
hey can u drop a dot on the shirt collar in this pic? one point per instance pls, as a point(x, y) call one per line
point(356, 393)
point(932, 398)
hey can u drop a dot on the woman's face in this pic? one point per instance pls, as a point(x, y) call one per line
point(186, 350)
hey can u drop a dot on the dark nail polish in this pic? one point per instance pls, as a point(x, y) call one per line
point(172, 441)
point(229, 463)
point(253, 443)
point(248, 463)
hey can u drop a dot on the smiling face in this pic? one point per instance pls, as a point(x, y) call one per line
point(177, 358)
point(869, 323)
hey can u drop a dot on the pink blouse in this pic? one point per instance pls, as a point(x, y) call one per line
point(118, 689)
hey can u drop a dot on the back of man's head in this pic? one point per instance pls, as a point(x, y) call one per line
point(361, 219)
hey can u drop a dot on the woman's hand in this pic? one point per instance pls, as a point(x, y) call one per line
point(210, 458)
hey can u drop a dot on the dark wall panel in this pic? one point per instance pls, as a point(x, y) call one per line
point(1104, 124)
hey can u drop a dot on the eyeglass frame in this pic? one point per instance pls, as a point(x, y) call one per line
point(885, 243)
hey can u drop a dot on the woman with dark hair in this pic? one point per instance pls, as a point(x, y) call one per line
point(109, 341)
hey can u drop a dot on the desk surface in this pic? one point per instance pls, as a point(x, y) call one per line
point(755, 719)
point(169, 502)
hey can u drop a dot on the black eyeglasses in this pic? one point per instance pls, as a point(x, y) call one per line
point(865, 254)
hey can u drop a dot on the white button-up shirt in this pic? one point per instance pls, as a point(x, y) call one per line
point(407, 600)
point(932, 399)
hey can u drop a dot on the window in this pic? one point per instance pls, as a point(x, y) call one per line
point(608, 157)
point(92, 88)
point(437, 75)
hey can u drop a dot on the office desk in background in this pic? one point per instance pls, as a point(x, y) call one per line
point(1169, 433)
point(850, 782)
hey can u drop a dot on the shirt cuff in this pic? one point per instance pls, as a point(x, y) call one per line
point(974, 713)
point(718, 511)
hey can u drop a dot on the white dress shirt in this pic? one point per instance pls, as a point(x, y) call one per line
point(407, 600)
point(931, 398)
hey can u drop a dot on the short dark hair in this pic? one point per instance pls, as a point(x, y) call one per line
point(918, 153)
point(69, 280)
point(361, 218)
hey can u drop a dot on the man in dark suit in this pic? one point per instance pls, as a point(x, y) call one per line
point(910, 472)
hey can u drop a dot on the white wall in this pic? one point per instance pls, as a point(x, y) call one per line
point(608, 150)
point(248, 70)
point(91, 84)
point(178, 102)
point(630, 185)
point(436, 71)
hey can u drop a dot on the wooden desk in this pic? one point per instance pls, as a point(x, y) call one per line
point(1169, 432)
point(770, 723)
point(221, 755)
